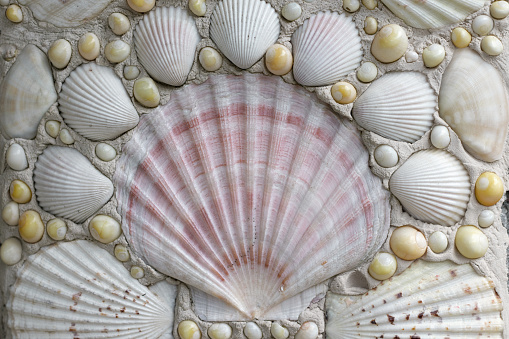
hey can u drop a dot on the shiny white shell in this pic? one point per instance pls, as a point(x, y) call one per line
point(244, 29)
point(94, 103)
point(325, 48)
point(165, 42)
point(76, 289)
point(432, 186)
point(402, 113)
point(67, 185)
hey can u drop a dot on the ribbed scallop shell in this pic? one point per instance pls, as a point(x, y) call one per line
point(325, 48)
point(427, 300)
point(397, 106)
point(67, 185)
point(253, 193)
point(473, 101)
point(78, 290)
point(94, 103)
point(165, 42)
point(432, 186)
point(432, 13)
point(244, 29)
point(26, 96)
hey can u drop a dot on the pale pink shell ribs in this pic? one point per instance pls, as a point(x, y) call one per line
point(251, 190)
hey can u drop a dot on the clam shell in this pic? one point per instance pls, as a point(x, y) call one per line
point(253, 194)
point(95, 104)
point(244, 29)
point(432, 13)
point(325, 48)
point(402, 113)
point(26, 96)
point(432, 186)
point(165, 42)
point(76, 289)
point(68, 185)
point(427, 300)
point(473, 101)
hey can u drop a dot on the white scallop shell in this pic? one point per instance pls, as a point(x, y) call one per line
point(433, 186)
point(325, 48)
point(68, 185)
point(427, 300)
point(165, 42)
point(398, 106)
point(76, 289)
point(473, 101)
point(94, 103)
point(432, 13)
point(26, 95)
point(244, 29)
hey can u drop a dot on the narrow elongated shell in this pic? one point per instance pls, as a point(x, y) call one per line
point(432, 186)
point(473, 101)
point(402, 113)
point(95, 104)
point(166, 41)
point(244, 29)
point(325, 48)
point(432, 13)
point(427, 300)
point(76, 289)
point(68, 185)
point(253, 194)
point(26, 96)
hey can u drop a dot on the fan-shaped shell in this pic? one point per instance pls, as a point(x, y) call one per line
point(95, 104)
point(325, 48)
point(244, 29)
point(432, 186)
point(396, 111)
point(165, 42)
point(26, 96)
point(76, 289)
point(432, 13)
point(68, 185)
point(252, 194)
point(427, 300)
point(473, 101)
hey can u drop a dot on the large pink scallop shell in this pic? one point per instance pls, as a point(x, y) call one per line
point(249, 189)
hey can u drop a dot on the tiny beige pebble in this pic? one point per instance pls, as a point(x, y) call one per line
point(104, 228)
point(11, 251)
point(188, 329)
point(10, 213)
point(351, 5)
point(438, 242)
point(492, 45)
point(14, 13)
point(119, 23)
point(117, 51)
point(460, 37)
point(89, 46)
point(56, 229)
point(210, 59)
point(66, 137)
point(137, 272)
point(52, 128)
point(198, 7)
point(105, 152)
point(121, 253)
point(60, 53)
point(141, 6)
point(370, 4)
point(146, 92)
point(131, 72)
point(370, 25)
point(433, 55)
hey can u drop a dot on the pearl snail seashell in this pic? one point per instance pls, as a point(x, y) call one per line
point(252, 226)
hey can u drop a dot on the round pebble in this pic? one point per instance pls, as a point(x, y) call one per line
point(210, 59)
point(486, 218)
point(141, 6)
point(278, 59)
point(433, 55)
point(440, 137)
point(20, 192)
point(105, 152)
point(343, 92)
point(119, 23)
point(278, 331)
point(370, 25)
point(146, 92)
point(492, 45)
point(121, 253)
point(252, 331)
point(291, 11)
point(482, 25)
point(11, 251)
point(137, 272)
point(370, 4)
point(308, 330)
point(52, 128)
point(460, 37)
point(66, 137)
point(131, 72)
point(60, 53)
point(198, 7)
point(489, 189)
point(104, 228)
point(438, 242)
point(471, 242)
point(31, 227)
point(10, 213)
point(188, 329)
point(14, 13)
point(117, 51)
point(16, 157)
point(408, 243)
point(383, 266)
point(351, 5)
point(367, 72)
point(411, 56)
point(89, 46)
point(389, 44)
point(56, 229)
point(386, 156)
point(4, 2)
point(499, 9)
point(220, 331)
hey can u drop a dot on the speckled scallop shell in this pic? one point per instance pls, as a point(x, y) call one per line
point(166, 41)
point(326, 48)
point(473, 101)
point(432, 186)
point(427, 300)
point(397, 106)
point(78, 290)
point(244, 29)
point(432, 13)
point(94, 103)
point(253, 194)
point(67, 185)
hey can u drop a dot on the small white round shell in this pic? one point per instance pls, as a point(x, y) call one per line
point(141, 6)
point(252, 331)
point(131, 72)
point(343, 92)
point(499, 9)
point(460, 37)
point(383, 266)
point(278, 331)
point(137, 272)
point(389, 44)
point(408, 243)
point(440, 137)
point(66, 137)
point(121, 253)
point(210, 59)
point(492, 45)
point(146, 92)
point(411, 56)
point(60, 53)
point(119, 23)
point(370, 4)
point(16, 157)
point(291, 11)
point(52, 128)
point(56, 229)
point(89, 46)
point(14, 13)
point(386, 156)
point(471, 242)
point(117, 51)
point(367, 72)
point(308, 330)
point(220, 331)
point(438, 242)
point(486, 218)
point(11, 251)
point(105, 152)
point(370, 25)
point(433, 55)
point(188, 329)
point(10, 213)
point(351, 5)
point(482, 25)
point(104, 228)
point(198, 7)
point(278, 59)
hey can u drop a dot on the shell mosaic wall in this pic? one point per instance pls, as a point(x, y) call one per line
point(253, 169)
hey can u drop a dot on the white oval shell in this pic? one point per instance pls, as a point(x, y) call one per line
point(402, 113)
point(165, 42)
point(325, 48)
point(244, 29)
point(94, 103)
point(432, 186)
point(76, 289)
point(68, 185)
point(473, 101)
point(26, 95)
point(427, 300)
point(432, 13)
